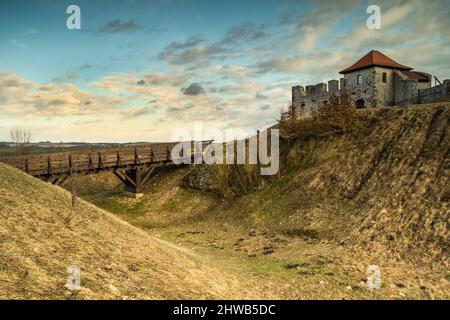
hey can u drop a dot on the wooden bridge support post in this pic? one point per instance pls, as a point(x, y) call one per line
point(133, 183)
point(134, 179)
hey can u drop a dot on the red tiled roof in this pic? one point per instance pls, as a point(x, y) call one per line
point(375, 59)
point(415, 75)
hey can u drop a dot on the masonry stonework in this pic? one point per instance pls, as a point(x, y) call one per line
point(375, 80)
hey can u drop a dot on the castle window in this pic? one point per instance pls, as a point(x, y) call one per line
point(359, 80)
point(384, 77)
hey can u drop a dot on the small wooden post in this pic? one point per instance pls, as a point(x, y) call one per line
point(257, 146)
point(49, 166)
point(235, 151)
point(91, 163)
point(152, 155)
point(70, 165)
point(136, 157)
point(118, 163)
point(100, 161)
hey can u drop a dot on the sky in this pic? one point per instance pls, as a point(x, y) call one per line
point(138, 70)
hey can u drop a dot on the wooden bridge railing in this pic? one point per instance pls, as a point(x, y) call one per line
point(91, 161)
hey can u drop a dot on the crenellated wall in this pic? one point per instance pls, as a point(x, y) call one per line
point(305, 99)
point(395, 89)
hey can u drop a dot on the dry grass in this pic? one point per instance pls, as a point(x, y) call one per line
point(232, 180)
point(374, 195)
point(297, 259)
point(117, 260)
point(338, 115)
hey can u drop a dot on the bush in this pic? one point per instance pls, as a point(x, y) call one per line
point(339, 115)
point(336, 116)
point(236, 179)
point(289, 124)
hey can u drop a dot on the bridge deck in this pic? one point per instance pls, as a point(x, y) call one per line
point(91, 161)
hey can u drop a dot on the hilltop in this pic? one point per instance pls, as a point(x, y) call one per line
point(376, 195)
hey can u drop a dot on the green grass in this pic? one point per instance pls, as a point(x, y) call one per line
point(122, 209)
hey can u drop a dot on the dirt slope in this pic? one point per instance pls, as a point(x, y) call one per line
point(394, 171)
point(377, 195)
point(40, 235)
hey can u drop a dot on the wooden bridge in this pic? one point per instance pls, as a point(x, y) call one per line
point(133, 165)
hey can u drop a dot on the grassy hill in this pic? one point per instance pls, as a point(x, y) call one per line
point(41, 235)
point(376, 195)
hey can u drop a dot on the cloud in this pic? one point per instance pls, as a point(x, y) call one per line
point(246, 31)
point(190, 42)
point(30, 32)
point(232, 71)
point(13, 88)
point(69, 107)
point(194, 89)
point(16, 43)
point(193, 50)
point(317, 66)
point(114, 83)
point(391, 14)
point(68, 100)
point(118, 26)
point(242, 76)
point(197, 51)
point(302, 29)
point(66, 77)
point(159, 79)
point(404, 35)
point(137, 112)
point(22, 98)
point(197, 55)
point(259, 95)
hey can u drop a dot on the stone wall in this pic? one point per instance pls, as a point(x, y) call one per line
point(384, 91)
point(363, 94)
point(305, 99)
point(412, 92)
point(396, 90)
point(404, 88)
point(435, 94)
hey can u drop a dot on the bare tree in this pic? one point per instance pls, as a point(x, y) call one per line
point(21, 140)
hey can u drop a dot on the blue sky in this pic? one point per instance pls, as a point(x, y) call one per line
point(38, 27)
point(137, 70)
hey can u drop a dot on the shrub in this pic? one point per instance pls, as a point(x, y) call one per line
point(289, 124)
point(236, 179)
point(339, 115)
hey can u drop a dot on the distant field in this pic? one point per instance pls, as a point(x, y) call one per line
point(7, 151)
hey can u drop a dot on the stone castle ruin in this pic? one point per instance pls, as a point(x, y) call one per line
point(374, 80)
